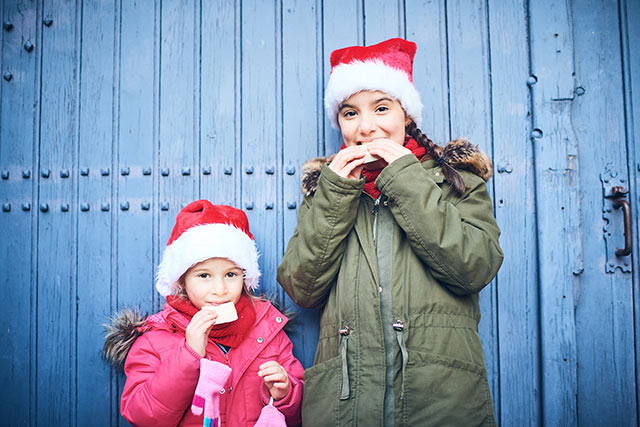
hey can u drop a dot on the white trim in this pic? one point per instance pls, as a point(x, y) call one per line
point(347, 79)
point(202, 242)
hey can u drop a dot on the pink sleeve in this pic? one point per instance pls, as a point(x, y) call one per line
point(291, 404)
point(158, 387)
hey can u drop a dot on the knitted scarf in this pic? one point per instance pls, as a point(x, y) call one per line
point(370, 175)
point(228, 334)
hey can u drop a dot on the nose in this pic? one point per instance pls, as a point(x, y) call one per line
point(218, 286)
point(367, 124)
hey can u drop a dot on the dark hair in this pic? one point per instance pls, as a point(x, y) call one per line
point(438, 154)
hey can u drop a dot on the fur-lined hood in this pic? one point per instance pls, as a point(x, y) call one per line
point(460, 154)
point(125, 327)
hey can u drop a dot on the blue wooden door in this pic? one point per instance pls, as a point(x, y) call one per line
point(115, 114)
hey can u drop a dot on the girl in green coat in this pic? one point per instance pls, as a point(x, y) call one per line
point(395, 238)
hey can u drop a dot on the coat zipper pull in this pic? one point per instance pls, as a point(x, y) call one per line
point(376, 205)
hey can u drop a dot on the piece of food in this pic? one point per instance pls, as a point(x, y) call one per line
point(368, 158)
point(226, 312)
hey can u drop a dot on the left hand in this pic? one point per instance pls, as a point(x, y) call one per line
point(387, 150)
point(275, 378)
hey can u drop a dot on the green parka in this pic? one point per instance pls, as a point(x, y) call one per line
point(397, 280)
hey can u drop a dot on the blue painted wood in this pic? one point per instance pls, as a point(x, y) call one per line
point(517, 291)
point(558, 202)
point(301, 131)
point(604, 311)
point(17, 115)
point(470, 116)
point(426, 26)
point(178, 116)
point(630, 14)
point(220, 103)
point(261, 114)
point(55, 258)
point(137, 135)
point(93, 275)
point(382, 20)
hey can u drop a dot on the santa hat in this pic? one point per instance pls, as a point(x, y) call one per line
point(204, 231)
point(386, 66)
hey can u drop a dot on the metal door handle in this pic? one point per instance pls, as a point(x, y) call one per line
point(626, 210)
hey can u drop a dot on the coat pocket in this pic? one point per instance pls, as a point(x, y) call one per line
point(321, 404)
point(441, 391)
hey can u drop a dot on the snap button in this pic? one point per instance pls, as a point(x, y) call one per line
point(230, 388)
point(437, 174)
point(260, 339)
point(222, 391)
point(279, 319)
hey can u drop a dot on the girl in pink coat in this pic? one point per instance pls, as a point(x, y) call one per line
point(199, 362)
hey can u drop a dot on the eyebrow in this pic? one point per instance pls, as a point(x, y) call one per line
point(377, 101)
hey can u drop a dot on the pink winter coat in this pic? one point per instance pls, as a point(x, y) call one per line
point(162, 373)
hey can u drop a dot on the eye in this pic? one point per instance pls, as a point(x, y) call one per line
point(203, 275)
point(348, 114)
point(382, 109)
point(231, 274)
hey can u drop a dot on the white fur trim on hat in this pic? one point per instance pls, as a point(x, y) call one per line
point(347, 79)
point(202, 242)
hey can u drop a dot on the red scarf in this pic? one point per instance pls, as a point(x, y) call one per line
point(228, 334)
point(370, 175)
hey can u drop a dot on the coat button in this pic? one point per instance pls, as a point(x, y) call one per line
point(260, 339)
point(279, 319)
point(221, 391)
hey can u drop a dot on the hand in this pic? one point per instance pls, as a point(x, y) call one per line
point(349, 161)
point(387, 150)
point(275, 378)
point(197, 332)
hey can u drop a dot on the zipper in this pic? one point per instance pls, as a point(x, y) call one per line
point(374, 212)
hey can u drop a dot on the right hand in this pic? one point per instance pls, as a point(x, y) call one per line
point(197, 333)
point(349, 161)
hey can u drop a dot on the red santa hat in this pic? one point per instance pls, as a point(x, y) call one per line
point(204, 231)
point(386, 66)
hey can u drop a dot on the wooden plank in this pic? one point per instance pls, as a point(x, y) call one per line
point(56, 251)
point(95, 157)
point(426, 26)
point(301, 131)
point(138, 110)
point(261, 114)
point(470, 110)
point(219, 101)
point(383, 19)
point(342, 26)
point(517, 290)
point(558, 206)
point(604, 312)
point(17, 115)
point(630, 14)
point(178, 150)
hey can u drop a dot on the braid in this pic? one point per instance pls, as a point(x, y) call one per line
point(438, 154)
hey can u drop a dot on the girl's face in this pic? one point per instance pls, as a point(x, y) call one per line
point(213, 282)
point(369, 115)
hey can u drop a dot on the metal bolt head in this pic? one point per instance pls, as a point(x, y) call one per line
point(8, 25)
point(291, 205)
point(206, 171)
point(104, 207)
point(186, 171)
point(5, 174)
point(228, 170)
point(7, 76)
point(532, 80)
point(536, 133)
point(146, 171)
point(124, 171)
point(47, 21)
point(270, 170)
point(26, 173)
point(26, 206)
point(84, 207)
point(579, 91)
point(164, 172)
point(249, 205)
point(6, 207)
point(84, 171)
point(145, 206)
point(45, 173)
point(124, 206)
point(64, 207)
point(268, 205)
point(64, 173)
point(28, 46)
point(290, 170)
point(249, 170)
point(164, 206)
point(44, 207)
point(104, 171)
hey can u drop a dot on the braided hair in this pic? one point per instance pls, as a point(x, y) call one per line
point(438, 154)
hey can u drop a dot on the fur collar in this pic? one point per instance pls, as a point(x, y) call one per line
point(461, 154)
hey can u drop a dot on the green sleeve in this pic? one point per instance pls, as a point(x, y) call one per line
point(312, 258)
point(457, 237)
